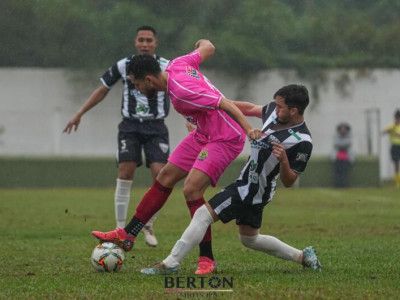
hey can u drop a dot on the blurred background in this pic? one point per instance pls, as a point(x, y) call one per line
point(53, 53)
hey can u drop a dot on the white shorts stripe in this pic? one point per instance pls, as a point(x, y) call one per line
point(223, 205)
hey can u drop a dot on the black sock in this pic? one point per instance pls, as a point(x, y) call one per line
point(206, 249)
point(134, 227)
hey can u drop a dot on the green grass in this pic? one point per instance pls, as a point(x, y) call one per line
point(46, 246)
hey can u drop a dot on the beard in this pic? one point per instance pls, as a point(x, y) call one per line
point(282, 122)
point(151, 93)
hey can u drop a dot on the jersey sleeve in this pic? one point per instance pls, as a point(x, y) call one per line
point(192, 59)
point(299, 156)
point(188, 86)
point(196, 97)
point(113, 74)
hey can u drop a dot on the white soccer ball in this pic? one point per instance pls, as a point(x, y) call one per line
point(107, 257)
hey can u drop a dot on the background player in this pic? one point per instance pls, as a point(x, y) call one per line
point(203, 155)
point(394, 131)
point(142, 126)
point(284, 151)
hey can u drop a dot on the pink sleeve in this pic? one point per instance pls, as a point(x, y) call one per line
point(196, 97)
point(193, 59)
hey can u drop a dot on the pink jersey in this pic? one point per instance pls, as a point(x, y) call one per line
point(197, 99)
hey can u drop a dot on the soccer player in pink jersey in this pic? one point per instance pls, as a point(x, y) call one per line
point(202, 156)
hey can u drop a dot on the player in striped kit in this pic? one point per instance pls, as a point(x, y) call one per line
point(142, 126)
point(283, 151)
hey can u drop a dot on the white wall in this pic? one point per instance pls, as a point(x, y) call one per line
point(36, 104)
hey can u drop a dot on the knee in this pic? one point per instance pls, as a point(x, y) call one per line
point(170, 175)
point(166, 177)
point(248, 240)
point(190, 192)
point(203, 216)
point(125, 176)
point(126, 170)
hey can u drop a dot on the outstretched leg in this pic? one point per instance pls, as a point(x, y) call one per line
point(251, 238)
point(192, 236)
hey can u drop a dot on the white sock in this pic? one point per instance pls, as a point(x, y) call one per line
point(121, 199)
point(272, 246)
point(192, 236)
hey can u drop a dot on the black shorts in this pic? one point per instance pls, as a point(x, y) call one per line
point(152, 137)
point(395, 152)
point(228, 205)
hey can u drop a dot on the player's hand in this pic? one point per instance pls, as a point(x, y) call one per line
point(279, 151)
point(197, 45)
point(73, 124)
point(254, 133)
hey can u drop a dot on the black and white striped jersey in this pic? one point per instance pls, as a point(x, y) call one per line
point(257, 181)
point(134, 104)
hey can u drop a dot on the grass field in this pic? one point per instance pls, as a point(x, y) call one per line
point(46, 247)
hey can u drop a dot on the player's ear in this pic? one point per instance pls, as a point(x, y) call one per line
point(149, 79)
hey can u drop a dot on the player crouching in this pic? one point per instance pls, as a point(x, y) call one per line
point(283, 150)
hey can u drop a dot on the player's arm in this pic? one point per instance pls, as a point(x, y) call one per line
point(97, 96)
point(238, 116)
point(286, 174)
point(249, 109)
point(206, 49)
point(387, 130)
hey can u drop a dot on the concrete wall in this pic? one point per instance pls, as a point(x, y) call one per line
point(36, 104)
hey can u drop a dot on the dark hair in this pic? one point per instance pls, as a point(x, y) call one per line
point(345, 125)
point(397, 114)
point(146, 27)
point(295, 96)
point(142, 65)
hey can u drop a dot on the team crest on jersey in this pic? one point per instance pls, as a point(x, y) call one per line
point(272, 138)
point(203, 154)
point(142, 109)
point(164, 147)
point(302, 157)
point(192, 72)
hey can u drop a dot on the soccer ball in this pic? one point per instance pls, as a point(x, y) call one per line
point(107, 257)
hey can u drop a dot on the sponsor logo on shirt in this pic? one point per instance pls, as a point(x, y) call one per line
point(192, 72)
point(302, 157)
point(253, 165)
point(253, 174)
point(258, 144)
point(203, 154)
point(294, 134)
